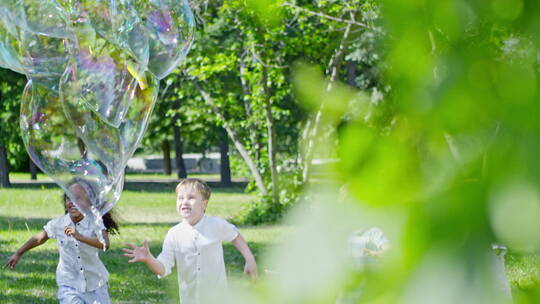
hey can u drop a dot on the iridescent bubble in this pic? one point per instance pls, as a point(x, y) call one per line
point(113, 145)
point(25, 51)
point(115, 21)
point(9, 57)
point(42, 56)
point(55, 147)
point(93, 70)
point(101, 79)
point(44, 17)
point(169, 27)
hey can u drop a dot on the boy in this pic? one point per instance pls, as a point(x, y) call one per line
point(195, 246)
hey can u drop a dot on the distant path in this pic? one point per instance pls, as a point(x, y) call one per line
point(132, 183)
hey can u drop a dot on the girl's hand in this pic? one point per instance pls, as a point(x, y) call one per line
point(251, 269)
point(12, 261)
point(137, 254)
point(71, 231)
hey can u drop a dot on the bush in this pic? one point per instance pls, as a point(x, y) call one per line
point(263, 210)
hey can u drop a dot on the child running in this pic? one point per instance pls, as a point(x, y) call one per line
point(195, 246)
point(80, 275)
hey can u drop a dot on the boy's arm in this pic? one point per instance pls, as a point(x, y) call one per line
point(251, 266)
point(143, 254)
point(92, 241)
point(34, 241)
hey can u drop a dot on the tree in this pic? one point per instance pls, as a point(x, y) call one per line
point(242, 68)
point(240, 73)
point(180, 166)
point(225, 167)
point(12, 152)
point(4, 168)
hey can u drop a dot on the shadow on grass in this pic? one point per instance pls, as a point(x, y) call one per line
point(33, 280)
point(140, 186)
point(20, 223)
point(24, 299)
point(9, 223)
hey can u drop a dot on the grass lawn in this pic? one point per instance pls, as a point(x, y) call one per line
point(145, 214)
point(146, 211)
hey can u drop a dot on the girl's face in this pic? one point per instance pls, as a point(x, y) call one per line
point(71, 208)
point(81, 200)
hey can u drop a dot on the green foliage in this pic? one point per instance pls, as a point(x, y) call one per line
point(260, 211)
point(452, 151)
point(263, 210)
point(11, 87)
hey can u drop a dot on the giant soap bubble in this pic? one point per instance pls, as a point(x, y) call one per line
point(93, 70)
point(54, 145)
point(167, 21)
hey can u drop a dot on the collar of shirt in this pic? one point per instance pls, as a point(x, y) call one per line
point(82, 224)
point(198, 226)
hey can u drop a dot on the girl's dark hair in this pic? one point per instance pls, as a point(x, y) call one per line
point(109, 219)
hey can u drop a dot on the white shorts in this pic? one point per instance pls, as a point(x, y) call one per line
point(70, 295)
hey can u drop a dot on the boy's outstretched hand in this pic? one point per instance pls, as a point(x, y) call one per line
point(12, 261)
point(251, 268)
point(143, 254)
point(137, 254)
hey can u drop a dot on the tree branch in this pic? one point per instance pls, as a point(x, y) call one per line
point(332, 69)
point(235, 139)
point(325, 16)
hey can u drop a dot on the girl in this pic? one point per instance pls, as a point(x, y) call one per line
point(80, 275)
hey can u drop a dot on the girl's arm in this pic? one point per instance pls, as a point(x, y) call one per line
point(34, 241)
point(92, 241)
point(143, 254)
point(251, 266)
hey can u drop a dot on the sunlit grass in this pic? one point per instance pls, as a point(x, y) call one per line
point(144, 214)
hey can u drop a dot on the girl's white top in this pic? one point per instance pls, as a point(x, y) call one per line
point(198, 254)
point(79, 266)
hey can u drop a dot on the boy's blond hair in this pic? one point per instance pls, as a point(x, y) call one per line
point(197, 184)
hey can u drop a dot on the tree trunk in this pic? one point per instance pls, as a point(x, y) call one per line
point(236, 141)
point(253, 136)
point(312, 132)
point(166, 147)
point(33, 169)
point(225, 167)
point(4, 168)
point(351, 74)
point(271, 138)
point(180, 165)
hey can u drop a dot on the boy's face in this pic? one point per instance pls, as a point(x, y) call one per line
point(190, 204)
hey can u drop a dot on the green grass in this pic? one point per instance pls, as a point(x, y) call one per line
point(145, 213)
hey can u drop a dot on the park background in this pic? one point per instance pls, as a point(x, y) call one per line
point(424, 113)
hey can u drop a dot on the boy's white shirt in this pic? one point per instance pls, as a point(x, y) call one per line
point(79, 266)
point(197, 252)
